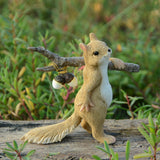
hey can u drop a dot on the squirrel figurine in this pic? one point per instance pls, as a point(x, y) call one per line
point(91, 102)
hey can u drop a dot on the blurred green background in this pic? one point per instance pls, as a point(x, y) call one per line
point(130, 28)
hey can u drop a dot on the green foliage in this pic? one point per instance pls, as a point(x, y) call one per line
point(110, 152)
point(130, 28)
point(151, 133)
point(15, 152)
point(127, 150)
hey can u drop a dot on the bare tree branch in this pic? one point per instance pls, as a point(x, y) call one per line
point(75, 61)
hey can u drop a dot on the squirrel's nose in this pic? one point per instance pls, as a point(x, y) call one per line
point(109, 50)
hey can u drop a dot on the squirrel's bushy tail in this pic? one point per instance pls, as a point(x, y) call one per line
point(52, 133)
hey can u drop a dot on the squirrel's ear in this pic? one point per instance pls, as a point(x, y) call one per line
point(83, 47)
point(92, 37)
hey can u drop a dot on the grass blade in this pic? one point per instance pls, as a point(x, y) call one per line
point(10, 146)
point(96, 157)
point(151, 124)
point(142, 155)
point(30, 153)
point(106, 147)
point(145, 126)
point(103, 150)
point(15, 145)
point(9, 155)
point(23, 145)
point(147, 137)
point(127, 150)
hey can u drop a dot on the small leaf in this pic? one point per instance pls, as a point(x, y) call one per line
point(22, 146)
point(17, 108)
point(153, 137)
point(113, 155)
point(119, 102)
point(124, 93)
point(96, 157)
point(9, 155)
point(53, 154)
point(134, 99)
point(129, 113)
point(26, 158)
point(23, 69)
point(37, 82)
point(157, 140)
point(151, 123)
point(158, 132)
point(10, 146)
point(149, 150)
point(127, 150)
point(142, 155)
point(116, 156)
point(102, 149)
point(106, 147)
point(30, 153)
point(147, 137)
point(28, 91)
point(158, 149)
point(15, 145)
point(145, 126)
point(6, 149)
point(158, 118)
point(10, 101)
point(29, 103)
point(43, 77)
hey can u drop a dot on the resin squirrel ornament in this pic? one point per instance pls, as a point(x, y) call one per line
point(92, 100)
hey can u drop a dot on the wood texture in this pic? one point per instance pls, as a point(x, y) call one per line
point(78, 144)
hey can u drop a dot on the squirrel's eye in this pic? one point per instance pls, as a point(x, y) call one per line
point(95, 53)
point(109, 50)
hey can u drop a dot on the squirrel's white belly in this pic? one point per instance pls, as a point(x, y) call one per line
point(105, 87)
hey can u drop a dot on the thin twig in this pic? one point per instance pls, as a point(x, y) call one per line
point(1, 117)
point(75, 61)
point(130, 108)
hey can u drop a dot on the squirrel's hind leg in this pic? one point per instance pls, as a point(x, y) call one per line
point(86, 126)
point(97, 130)
point(98, 134)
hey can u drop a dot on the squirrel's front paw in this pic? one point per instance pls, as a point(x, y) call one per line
point(86, 106)
point(118, 63)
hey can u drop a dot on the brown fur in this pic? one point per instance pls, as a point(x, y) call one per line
point(90, 106)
